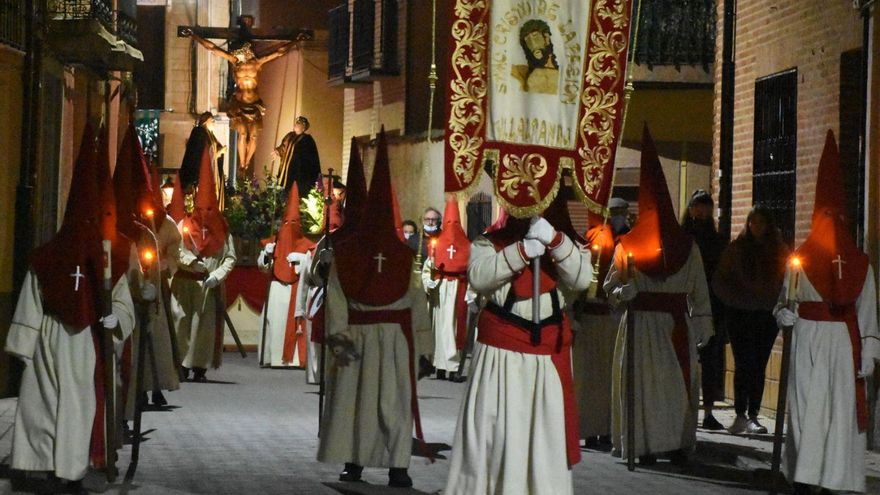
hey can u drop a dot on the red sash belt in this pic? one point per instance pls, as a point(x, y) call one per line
point(402, 317)
point(461, 307)
point(821, 311)
point(675, 305)
point(556, 339)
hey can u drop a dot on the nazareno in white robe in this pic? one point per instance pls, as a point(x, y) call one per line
point(56, 403)
point(441, 302)
point(277, 306)
point(193, 306)
point(367, 416)
point(510, 437)
point(592, 358)
point(823, 446)
point(665, 413)
point(308, 301)
point(166, 368)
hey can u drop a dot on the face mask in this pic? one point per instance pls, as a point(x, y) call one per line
point(407, 235)
point(430, 228)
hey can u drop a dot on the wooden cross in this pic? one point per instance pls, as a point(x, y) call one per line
point(76, 276)
point(379, 258)
point(451, 251)
point(243, 33)
point(839, 262)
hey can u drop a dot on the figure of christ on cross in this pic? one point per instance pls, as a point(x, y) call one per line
point(246, 108)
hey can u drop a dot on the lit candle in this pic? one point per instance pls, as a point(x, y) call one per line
point(793, 275)
point(630, 265)
point(433, 249)
point(150, 213)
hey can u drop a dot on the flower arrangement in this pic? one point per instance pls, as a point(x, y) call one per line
point(253, 205)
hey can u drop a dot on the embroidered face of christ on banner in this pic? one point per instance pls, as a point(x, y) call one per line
point(537, 50)
point(535, 87)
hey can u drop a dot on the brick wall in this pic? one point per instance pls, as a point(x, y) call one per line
point(773, 36)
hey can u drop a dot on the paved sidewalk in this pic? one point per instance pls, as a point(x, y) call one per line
point(253, 431)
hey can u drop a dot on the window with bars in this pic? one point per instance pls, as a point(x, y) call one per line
point(774, 179)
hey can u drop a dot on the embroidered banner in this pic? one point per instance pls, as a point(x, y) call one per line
point(536, 86)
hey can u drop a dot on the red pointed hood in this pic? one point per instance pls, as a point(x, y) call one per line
point(373, 265)
point(453, 249)
point(289, 239)
point(177, 206)
point(658, 243)
point(830, 257)
point(121, 244)
point(355, 193)
point(75, 249)
point(132, 187)
point(205, 230)
point(159, 212)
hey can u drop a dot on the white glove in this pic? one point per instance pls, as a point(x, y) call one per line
point(867, 367)
point(541, 230)
point(432, 284)
point(198, 266)
point(533, 248)
point(296, 260)
point(211, 282)
point(148, 291)
point(110, 322)
point(270, 248)
point(786, 318)
point(626, 292)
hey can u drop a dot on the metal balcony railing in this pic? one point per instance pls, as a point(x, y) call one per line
point(126, 28)
point(115, 21)
point(12, 17)
point(676, 32)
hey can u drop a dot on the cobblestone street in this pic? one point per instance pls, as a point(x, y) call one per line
point(254, 431)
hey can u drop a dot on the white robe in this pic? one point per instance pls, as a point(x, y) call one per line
point(368, 417)
point(823, 445)
point(665, 413)
point(441, 303)
point(510, 437)
point(56, 403)
point(592, 358)
point(277, 306)
point(308, 302)
point(193, 306)
point(160, 335)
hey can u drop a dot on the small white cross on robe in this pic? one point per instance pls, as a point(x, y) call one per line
point(379, 259)
point(76, 276)
point(451, 251)
point(839, 262)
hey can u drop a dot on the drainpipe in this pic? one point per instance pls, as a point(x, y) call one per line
point(725, 152)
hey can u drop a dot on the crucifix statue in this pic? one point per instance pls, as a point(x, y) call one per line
point(246, 109)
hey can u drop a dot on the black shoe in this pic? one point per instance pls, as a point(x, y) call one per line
point(591, 443)
point(455, 377)
point(425, 367)
point(351, 472)
point(710, 423)
point(199, 375)
point(605, 443)
point(441, 374)
point(159, 398)
point(184, 374)
point(399, 478)
point(648, 459)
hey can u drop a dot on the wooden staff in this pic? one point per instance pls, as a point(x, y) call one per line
point(111, 440)
point(790, 303)
point(630, 372)
point(328, 247)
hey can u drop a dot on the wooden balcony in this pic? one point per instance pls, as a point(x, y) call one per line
point(94, 33)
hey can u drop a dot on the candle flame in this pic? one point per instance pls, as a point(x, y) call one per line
point(148, 255)
point(595, 247)
point(185, 230)
point(433, 242)
point(150, 213)
point(795, 261)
